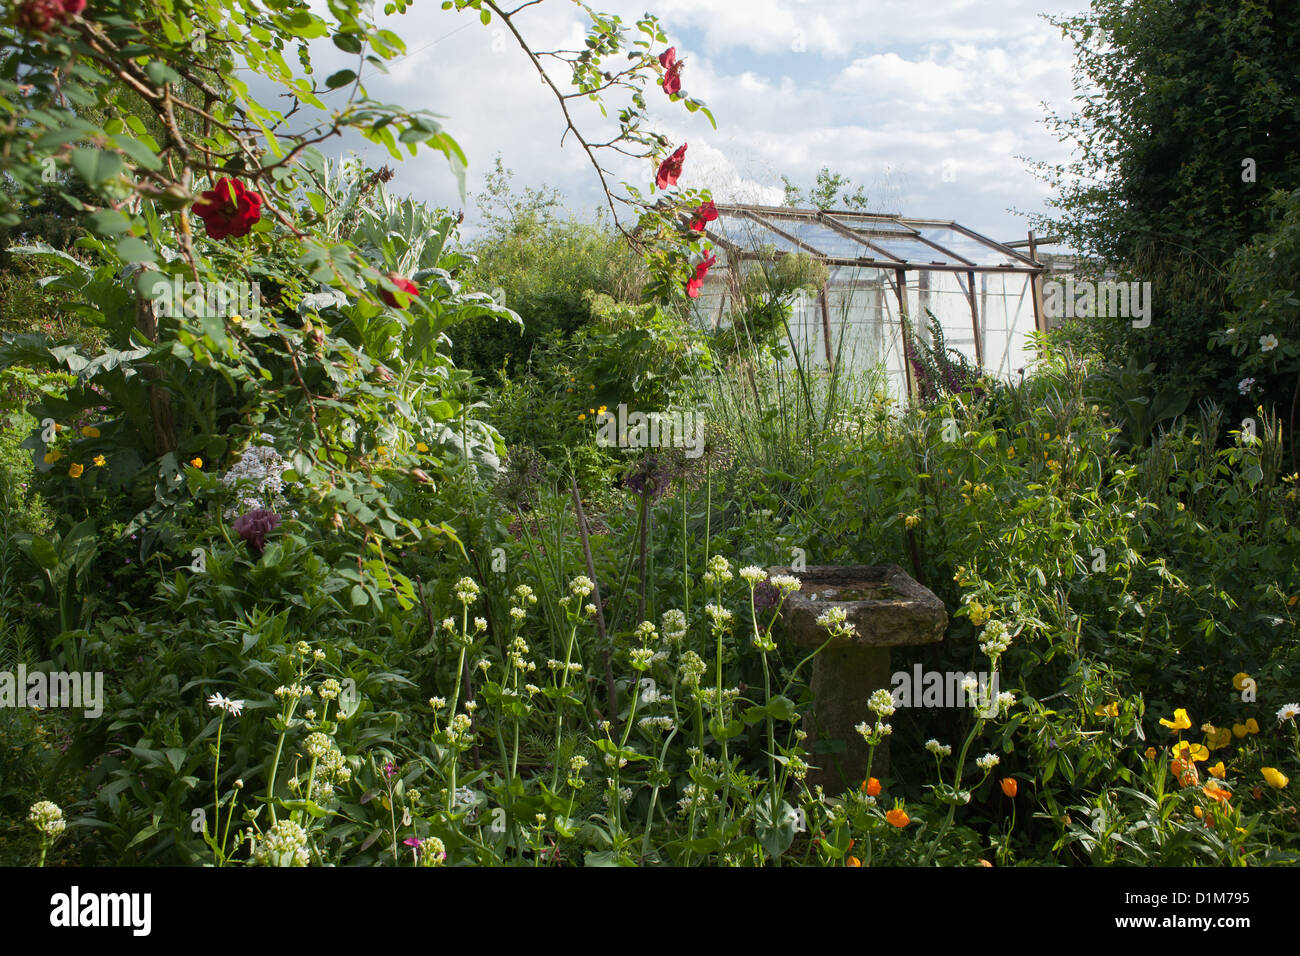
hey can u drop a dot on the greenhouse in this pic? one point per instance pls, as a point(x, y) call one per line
point(885, 274)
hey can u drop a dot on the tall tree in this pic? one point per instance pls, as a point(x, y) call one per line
point(1190, 119)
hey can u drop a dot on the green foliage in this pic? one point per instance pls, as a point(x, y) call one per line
point(1189, 124)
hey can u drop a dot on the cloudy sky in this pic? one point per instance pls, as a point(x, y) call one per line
point(931, 106)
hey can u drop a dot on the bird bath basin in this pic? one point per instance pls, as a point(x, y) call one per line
point(887, 609)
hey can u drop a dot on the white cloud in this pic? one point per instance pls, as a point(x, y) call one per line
point(884, 92)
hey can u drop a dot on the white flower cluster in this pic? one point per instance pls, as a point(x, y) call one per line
point(987, 762)
point(881, 703)
point(835, 620)
point(692, 668)
point(581, 586)
point(574, 668)
point(284, 844)
point(753, 575)
point(674, 624)
point(645, 631)
point(467, 592)
point(996, 639)
point(430, 852)
point(257, 478)
point(938, 749)
point(720, 616)
point(664, 725)
point(641, 657)
point(785, 583)
point(718, 570)
point(47, 818)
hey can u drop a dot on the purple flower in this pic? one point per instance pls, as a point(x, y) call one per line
point(412, 841)
point(649, 479)
point(765, 596)
point(254, 526)
point(390, 770)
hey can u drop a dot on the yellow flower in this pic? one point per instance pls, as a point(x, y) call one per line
point(603, 409)
point(1151, 753)
point(1185, 750)
point(76, 470)
point(979, 614)
point(1251, 726)
point(1218, 770)
point(1239, 730)
point(582, 417)
point(1180, 722)
point(1239, 681)
point(90, 431)
point(1198, 812)
point(52, 456)
point(1107, 710)
point(421, 447)
point(236, 319)
point(912, 520)
point(1220, 738)
point(99, 461)
point(591, 411)
point(196, 462)
point(592, 387)
point(1011, 452)
point(1275, 778)
point(381, 450)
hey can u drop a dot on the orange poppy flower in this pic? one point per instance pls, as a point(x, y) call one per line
point(1009, 786)
point(853, 861)
point(898, 817)
point(870, 787)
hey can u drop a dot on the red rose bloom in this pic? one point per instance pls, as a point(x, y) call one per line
point(672, 71)
point(671, 168)
point(704, 214)
point(701, 270)
point(41, 16)
point(230, 209)
point(406, 285)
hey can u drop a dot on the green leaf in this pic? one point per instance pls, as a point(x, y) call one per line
point(97, 166)
point(341, 78)
point(132, 249)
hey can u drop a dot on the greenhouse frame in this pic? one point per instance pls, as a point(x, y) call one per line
point(885, 273)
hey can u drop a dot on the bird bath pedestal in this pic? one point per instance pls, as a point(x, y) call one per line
point(888, 609)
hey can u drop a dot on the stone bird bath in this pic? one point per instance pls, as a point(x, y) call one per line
point(888, 609)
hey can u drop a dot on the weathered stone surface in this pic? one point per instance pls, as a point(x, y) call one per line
point(888, 609)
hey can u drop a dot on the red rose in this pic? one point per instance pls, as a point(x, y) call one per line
point(671, 168)
point(41, 16)
point(672, 71)
point(704, 214)
point(406, 285)
point(701, 270)
point(230, 209)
